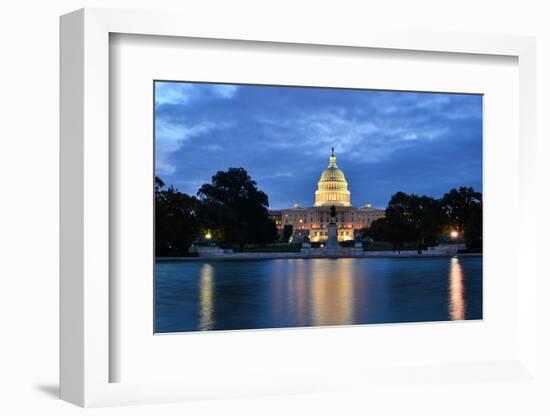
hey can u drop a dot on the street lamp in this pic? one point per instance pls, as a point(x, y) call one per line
point(454, 234)
point(208, 236)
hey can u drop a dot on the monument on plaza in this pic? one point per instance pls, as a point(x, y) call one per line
point(332, 238)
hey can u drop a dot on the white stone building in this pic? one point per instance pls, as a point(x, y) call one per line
point(332, 189)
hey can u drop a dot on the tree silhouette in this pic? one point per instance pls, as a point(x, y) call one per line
point(176, 225)
point(464, 208)
point(421, 220)
point(288, 229)
point(236, 209)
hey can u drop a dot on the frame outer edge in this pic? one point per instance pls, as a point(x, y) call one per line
point(84, 154)
point(95, 194)
point(72, 208)
point(527, 265)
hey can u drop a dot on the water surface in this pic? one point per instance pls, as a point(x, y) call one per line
point(225, 295)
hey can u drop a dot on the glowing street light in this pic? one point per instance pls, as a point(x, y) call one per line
point(208, 236)
point(454, 234)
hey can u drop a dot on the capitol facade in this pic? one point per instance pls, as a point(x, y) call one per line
point(312, 222)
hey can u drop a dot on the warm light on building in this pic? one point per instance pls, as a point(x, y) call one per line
point(312, 222)
point(332, 188)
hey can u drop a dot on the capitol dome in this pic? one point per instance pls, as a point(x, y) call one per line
point(332, 188)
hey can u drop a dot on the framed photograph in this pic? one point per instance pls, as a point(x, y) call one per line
point(264, 233)
point(266, 212)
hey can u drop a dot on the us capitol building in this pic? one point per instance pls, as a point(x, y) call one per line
point(312, 222)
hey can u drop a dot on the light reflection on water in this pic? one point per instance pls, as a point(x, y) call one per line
point(220, 295)
point(296, 295)
point(457, 307)
point(332, 293)
point(207, 298)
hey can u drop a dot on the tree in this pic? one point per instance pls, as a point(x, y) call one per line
point(473, 229)
point(409, 218)
point(422, 219)
point(288, 229)
point(463, 208)
point(378, 230)
point(427, 218)
point(458, 205)
point(236, 209)
point(176, 225)
point(399, 227)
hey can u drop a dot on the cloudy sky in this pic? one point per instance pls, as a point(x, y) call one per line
point(384, 141)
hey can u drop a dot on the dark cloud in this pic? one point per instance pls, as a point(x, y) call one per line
point(386, 142)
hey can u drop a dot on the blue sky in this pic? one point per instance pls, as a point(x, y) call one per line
point(385, 142)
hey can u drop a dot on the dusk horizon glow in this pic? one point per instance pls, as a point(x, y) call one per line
point(384, 141)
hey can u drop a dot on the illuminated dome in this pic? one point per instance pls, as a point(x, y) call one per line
point(332, 188)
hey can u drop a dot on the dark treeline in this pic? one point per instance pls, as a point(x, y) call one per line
point(231, 210)
point(423, 220)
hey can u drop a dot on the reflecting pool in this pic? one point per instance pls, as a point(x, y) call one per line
point(227, 295)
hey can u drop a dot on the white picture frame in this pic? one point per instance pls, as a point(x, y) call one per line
point(86, 356)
